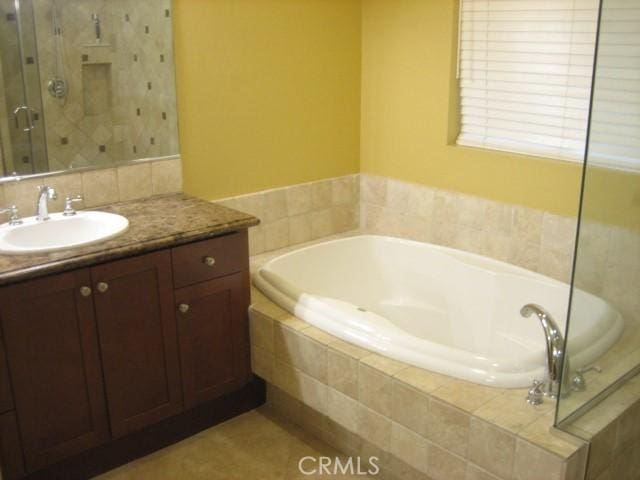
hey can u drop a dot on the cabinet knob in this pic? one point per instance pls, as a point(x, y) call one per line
point(85, 291)
point(209, 261)
point(103, 287)
point(184, 307)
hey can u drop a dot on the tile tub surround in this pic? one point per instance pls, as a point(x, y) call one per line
point(299, 213)
point(99, 187)
point(533, 239)
point(613, 430)
point(421, 424)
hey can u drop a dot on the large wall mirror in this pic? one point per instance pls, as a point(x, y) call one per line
point(85, 83)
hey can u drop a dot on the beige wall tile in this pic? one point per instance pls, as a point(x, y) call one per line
point(422, 380)
point(374, 389)
point(134, 181)
point(299, 199)
point(275, 205)
point(508, 411)
point(527, 225)
point(409, 447)
point(300, 229)
point(166, 177)
point(375, 428)
point(344, 218)
point(322, 223)
point(313, 393)
point(420, 200)
point(464, 395)
point(474, 472)
point(253, 204)
point(498, 217)
point(373, 189)
point(283, 404)
point(298, 350)
point(256, 240)
point(530, 461)
point(286, 378)
point(444, 465)
point(558, 233)
point(409, 407)
point(261, 330)
point(448, 427)
point(262, 363)
point(397, 196)
point(384, 364)
point(342, 410)
point(492, 448)
point(276, 234)
point(343, 373)
point(321, 194)
point(343, 190)
point(100, 187)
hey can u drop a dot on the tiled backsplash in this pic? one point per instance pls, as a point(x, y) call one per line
point(99, 187)
point(300, 213)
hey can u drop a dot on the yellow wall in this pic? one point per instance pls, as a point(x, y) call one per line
point(409, 113)
point(268, 92)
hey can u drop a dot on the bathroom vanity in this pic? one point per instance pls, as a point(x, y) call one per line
point(113, 350)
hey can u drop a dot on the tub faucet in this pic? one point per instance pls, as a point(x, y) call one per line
point(555, 349)
point(42, 206)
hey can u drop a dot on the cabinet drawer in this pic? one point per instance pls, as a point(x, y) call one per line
point(209, 259)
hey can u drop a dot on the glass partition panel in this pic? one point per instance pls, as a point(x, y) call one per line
point(605, 296)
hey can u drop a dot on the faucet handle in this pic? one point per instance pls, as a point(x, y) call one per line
point(14, 216)
point(535, 396)
point(68, 205)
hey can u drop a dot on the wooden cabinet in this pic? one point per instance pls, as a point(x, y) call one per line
point(214, 347)
point(137, 328)
point(94, 355)
point(51, 345)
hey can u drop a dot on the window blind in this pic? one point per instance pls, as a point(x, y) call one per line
point(615, 119)
point(525, 75)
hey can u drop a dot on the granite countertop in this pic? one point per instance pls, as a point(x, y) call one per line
point(154, 223)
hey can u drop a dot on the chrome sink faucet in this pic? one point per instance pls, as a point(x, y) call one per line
point(555, 349)
point(42, 206)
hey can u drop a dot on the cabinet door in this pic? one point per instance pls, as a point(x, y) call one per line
point(51, 345)
point(214, 352)
point(137, 329)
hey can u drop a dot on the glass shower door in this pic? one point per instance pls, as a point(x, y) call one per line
point(607, 257)
point(22, 136)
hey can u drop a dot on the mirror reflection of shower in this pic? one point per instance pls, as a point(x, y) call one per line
point(95, 18)
point(58, 86)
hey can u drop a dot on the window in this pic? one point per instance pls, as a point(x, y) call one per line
point(525, 75)
point(615, 116)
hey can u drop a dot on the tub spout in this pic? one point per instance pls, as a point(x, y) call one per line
point(555, 348)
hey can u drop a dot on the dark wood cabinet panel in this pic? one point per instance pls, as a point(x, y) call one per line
point(214, 351)
point(10, 447)
point(6, 397)
point(209, 259)
point(52, 351)
point(138, 340)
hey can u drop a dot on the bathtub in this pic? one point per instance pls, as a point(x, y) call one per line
point(445, 310)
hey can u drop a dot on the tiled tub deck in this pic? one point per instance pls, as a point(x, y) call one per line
point(420, 424)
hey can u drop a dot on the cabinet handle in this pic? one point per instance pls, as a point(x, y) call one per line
point(209, 261)
point(85, 291)
point(103, 287)
point(184, 307)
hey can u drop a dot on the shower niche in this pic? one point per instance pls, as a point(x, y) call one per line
point(96, 79)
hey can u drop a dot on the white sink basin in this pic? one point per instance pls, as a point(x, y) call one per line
point(60, 232)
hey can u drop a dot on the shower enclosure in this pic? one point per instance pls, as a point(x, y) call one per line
point(607, 254)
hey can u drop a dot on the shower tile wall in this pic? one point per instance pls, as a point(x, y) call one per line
point(121, 103)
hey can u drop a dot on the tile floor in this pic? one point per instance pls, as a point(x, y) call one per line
point(253, 446)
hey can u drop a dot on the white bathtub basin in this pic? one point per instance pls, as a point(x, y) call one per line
point(438, 308)
point(60, 232)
